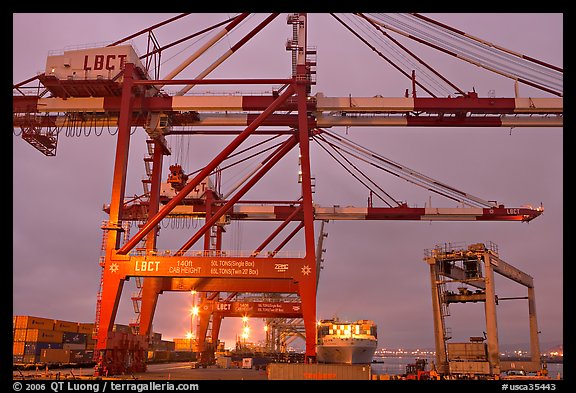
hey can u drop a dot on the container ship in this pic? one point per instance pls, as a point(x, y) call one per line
point(346, 342)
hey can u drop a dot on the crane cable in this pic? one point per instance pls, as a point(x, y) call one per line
point(382, 40)
point(403, 172)
point(317, 140)
point(239, 161)
point(364, 41)
point(494, 58)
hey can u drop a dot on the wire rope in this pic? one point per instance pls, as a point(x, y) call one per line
point(406, 173)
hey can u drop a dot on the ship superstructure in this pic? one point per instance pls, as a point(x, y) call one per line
point(346, 342)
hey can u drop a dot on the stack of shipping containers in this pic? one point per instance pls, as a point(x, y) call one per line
point(50, 341)
point(54, 342)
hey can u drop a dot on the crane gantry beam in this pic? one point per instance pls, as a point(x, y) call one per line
point(271, 212)
point(220, 110)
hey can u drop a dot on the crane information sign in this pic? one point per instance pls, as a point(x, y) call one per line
point(217, 267)
point(92, 63)
point(254, 309)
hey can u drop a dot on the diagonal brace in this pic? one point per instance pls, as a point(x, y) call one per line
point(270, 162)
point(153, 221)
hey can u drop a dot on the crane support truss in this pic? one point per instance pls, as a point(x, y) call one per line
point(118, 266)
point(218, 310)
point(476, 266)
point(130, 99)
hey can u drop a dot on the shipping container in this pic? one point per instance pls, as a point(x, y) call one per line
point(40, 335)
point(158, 356)
point(66, 326)
point(224, 362)
point(17, 359)
point(466, 351)
point(182, 356)
point(303, 371)
point(464, 367)
point(246, 362)
point(184, 344)
point(29, 322)
point(74, 338)
point(35, 348)
point(76, 347)
point(55, 356)
point(18, 348)
point(164, 345)
point(90, 342)
point(31, 359)
point(20, 335)
point(121, 328)
point(86, 328)
point(81, 356)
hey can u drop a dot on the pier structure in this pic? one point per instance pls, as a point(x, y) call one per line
point(471, 269)
point(113, 86)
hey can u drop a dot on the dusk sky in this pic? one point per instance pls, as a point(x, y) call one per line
point(372, 269)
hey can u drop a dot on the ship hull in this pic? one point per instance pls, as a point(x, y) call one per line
point(346, 351)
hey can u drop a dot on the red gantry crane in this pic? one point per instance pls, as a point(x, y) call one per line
point(112, 86)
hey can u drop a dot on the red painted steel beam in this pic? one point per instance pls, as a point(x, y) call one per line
point(279, 120)
point(216, 323)
point(137, 212)
point(231, 51)
point(227, 81)
point(209, 208)
point(181, 40)
point(205, 172)
point(227, 132)
point(307, 280)
point(465, 104)
point(253, 285)
point(151, 285)
point(277, 231)
point(288, 238)
point(112, 284)
point(25, 104)
point(270, 161)
point(431, 105)
point(454, 214)
point(207, 45)
point(148, 29)
point(203, 321)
